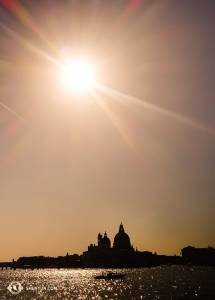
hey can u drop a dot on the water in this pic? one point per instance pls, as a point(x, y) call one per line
point(174, 282)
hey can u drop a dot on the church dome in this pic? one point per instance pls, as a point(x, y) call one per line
point(105, 241)
point(122, 240)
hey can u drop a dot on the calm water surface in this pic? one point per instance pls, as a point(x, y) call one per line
point(175, 282)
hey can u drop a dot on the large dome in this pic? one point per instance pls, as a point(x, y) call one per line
point(122, 240)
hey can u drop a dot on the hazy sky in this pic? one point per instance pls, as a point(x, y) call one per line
point(138, 148)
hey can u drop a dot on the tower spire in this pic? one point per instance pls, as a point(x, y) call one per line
point(121, 228)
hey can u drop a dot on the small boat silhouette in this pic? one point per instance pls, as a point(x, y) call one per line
point(110, 275)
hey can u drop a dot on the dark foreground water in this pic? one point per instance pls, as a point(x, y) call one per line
point(174, 282)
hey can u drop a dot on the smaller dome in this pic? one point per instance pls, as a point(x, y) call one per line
point(105, 241)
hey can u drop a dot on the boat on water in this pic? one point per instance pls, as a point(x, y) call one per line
point(110, 275)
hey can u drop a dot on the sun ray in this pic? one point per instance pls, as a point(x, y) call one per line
point(30, 46)
point(25, 17)
point(18, 116)
point(13, 112)
point(116, 123)
point(155, 108)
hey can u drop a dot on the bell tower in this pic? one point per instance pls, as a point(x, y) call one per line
point(99, 239)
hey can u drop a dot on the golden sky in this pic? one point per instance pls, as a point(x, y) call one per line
point(136, 145)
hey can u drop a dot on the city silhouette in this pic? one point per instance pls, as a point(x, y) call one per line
point(121, 255)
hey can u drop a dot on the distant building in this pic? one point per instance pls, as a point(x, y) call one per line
point(68, 261)
point(122, 254)
point(198, 256)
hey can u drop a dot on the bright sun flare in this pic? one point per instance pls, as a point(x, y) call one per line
point(78, 75)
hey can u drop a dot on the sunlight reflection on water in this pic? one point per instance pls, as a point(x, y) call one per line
point(175, 282)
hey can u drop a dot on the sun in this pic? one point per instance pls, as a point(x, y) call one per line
point(78, 75)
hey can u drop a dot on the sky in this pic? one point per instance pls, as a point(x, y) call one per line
point(137, 146)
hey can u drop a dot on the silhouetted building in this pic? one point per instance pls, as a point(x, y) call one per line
point(198, 256)
point(122, 255)
point(68, 261)
point(102, 255)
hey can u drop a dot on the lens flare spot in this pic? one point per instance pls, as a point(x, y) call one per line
point(78, 75)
